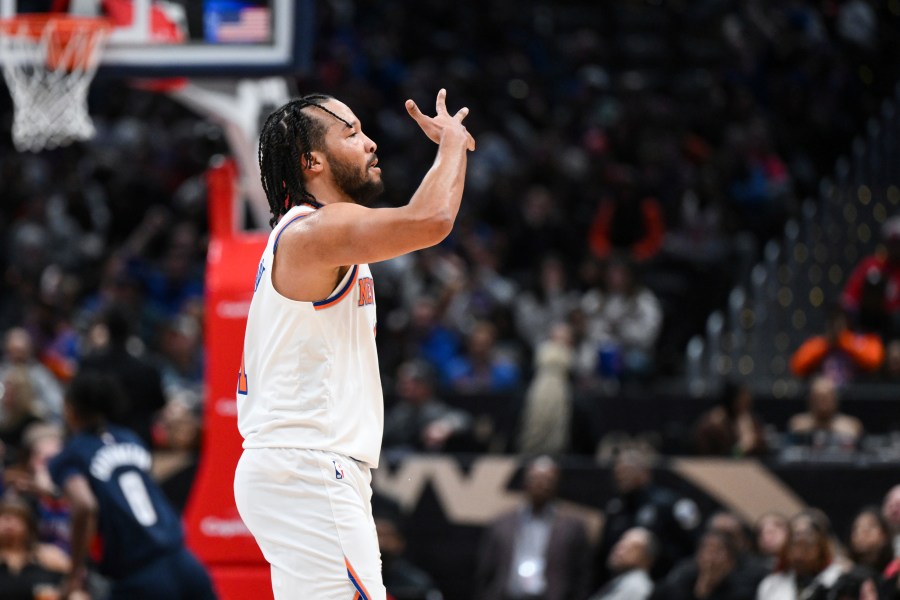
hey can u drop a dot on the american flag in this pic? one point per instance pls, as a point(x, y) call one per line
point(246, 24)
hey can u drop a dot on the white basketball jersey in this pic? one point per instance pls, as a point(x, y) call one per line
point(309, 376)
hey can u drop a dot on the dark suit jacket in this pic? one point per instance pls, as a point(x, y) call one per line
point(567, 562)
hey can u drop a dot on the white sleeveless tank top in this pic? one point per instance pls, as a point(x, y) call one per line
point(309, 376)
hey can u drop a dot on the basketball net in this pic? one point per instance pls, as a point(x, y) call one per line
point(49, 63)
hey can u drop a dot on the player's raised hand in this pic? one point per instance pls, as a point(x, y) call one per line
point(434, 126)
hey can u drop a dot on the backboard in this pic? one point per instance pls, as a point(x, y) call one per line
point(194, 38)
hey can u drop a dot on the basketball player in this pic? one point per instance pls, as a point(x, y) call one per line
point(309, 397)
point(104, 472)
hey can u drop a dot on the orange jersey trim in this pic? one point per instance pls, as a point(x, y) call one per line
point(344, 291)
point(361, 592)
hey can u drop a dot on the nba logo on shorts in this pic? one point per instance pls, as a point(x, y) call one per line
point(338, 470)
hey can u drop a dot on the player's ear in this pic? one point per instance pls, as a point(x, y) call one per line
point(314, 162)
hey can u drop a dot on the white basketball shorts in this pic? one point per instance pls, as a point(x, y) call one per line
point(311, 514)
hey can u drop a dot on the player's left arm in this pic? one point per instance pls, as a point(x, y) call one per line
point(83, 504)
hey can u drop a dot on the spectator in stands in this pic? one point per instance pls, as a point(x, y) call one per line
point(176, 277)
point(872, 292)
point(806, 566)
point(482, 367)
point(19, 352)
point(181, 356)
point(55, 339)
point(840, 353)
point(481, 292)
point(888, 588)
point(178, 427)
point(630, 562)
point(731, 427)
point(536, 551)
point(29, 478)
point(136, 374)
point(858, 583)
point(26, 565)
point(123, 291)
point(771, 536)
point(892, 360)
point(759, 183)
point(627, 222)
point(538, 229)
point(429, 338)
point(419, 420)
point(585, 366)
point(20, 409)
point(625, 320)
point(547, 414)
point(749, 569)
point(823, 427)
point(890, 510)
point(176, 436)
point(709, 574)
point(640, 502)
point(403, 579)
point(870, 544)
point(549, 301)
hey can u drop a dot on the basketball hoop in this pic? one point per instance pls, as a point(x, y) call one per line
point(49, 61)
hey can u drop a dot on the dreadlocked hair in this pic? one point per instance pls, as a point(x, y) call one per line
point(286, 142)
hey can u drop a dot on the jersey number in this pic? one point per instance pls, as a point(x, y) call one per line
point(137, 497)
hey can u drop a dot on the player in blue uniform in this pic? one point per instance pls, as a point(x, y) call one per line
point(104, 471)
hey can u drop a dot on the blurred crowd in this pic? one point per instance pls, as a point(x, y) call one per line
point(657, 545)
point(632, 159)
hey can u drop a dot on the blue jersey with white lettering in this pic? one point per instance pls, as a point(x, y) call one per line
point(136, 524)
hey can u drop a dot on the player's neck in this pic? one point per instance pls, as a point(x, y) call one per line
point(326, 192)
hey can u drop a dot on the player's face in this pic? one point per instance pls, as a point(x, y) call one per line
point(351, 157)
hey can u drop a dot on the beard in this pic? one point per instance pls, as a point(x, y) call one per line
point(358, 184)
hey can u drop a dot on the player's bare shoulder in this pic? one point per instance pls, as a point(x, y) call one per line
point(302, 270)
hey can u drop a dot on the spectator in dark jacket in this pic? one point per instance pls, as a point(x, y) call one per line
point(641, 503)
point(536, 552)
point(710, 575)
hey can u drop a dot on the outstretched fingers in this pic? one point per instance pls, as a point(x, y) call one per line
point(440, 104)
point(470, 141)
point(432, 126)
point(459, 116)
point(413, 110)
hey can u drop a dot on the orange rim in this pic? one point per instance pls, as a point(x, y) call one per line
point(65, 27)
point(33, 25)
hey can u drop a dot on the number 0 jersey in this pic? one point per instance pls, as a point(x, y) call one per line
point(309, 377)
point(135, 522)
